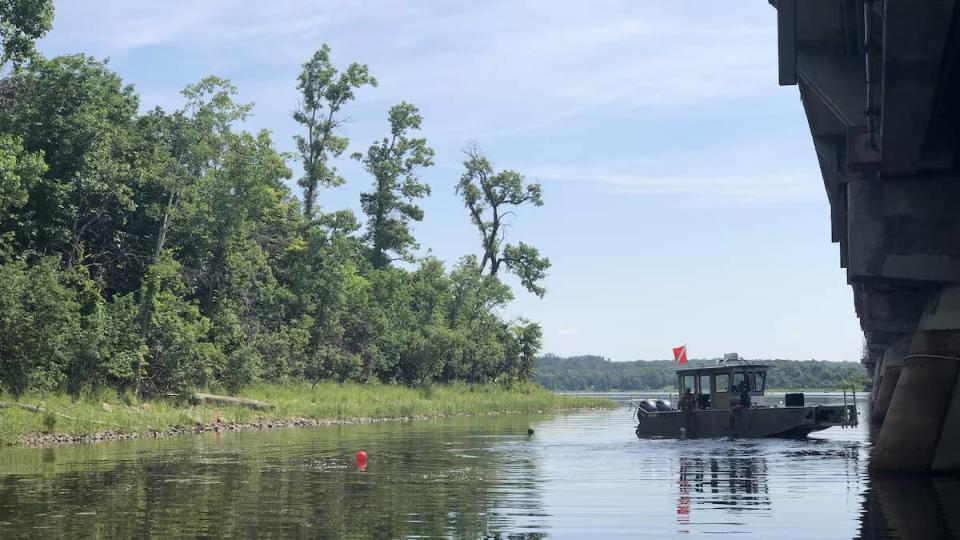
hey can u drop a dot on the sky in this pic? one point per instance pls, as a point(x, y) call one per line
point(683, 200)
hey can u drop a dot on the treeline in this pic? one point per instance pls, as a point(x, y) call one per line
point(599, 374)
point(154, 252)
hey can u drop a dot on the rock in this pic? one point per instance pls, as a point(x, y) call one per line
point(106, 406)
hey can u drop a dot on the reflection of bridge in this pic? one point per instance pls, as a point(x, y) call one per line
point(880, 84)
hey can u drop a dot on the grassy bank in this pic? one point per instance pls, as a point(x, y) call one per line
point(107, 412)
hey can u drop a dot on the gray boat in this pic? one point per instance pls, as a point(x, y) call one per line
point(714, 409)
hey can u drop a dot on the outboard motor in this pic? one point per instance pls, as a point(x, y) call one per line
point(664, 405)
point(648, 405)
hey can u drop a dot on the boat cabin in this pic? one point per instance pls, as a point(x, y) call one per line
point(716, 387)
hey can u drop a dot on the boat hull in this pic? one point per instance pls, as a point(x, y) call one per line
point(755, 422)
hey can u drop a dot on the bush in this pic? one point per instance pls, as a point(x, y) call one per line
point(49, 421)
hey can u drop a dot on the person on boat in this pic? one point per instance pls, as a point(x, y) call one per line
point(687, 401)
point(744, 395)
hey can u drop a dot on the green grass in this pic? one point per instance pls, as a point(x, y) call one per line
point(105, 411)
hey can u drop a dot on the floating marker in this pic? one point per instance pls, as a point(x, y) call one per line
point(361, 460)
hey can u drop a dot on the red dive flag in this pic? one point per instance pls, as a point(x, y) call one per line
point(680, 354)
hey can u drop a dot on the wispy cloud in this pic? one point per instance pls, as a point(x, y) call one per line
point(490, 69)
point(752, 172)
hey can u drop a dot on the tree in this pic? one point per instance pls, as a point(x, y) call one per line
point(394, 163)
point(323, 93)
point(81, 116)
point(19, 172)
point(529, 337)
point(161, 251)
point(489, 197)
point(177, 151)
point(39, 326)
point(21, 23)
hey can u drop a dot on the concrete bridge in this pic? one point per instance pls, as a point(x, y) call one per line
point(880, 83)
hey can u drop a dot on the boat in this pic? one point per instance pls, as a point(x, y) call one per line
point(718, 406)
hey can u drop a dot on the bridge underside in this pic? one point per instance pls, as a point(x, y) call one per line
point(880, 85)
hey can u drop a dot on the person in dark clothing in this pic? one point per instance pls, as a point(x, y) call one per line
point(744, 395)
point(687, 401)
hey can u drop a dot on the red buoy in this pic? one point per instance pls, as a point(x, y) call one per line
point(361, 460)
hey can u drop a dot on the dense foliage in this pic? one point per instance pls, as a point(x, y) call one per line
point(599, 374)
point(157, 251)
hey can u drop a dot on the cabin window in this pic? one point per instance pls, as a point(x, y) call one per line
point(704, 384)
point(723, 383)
point(686, 381)
point(738, 379)
point(759, 381)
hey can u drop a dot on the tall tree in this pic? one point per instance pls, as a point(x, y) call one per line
point(323, 93)
point(21, 23)
point(394, 163)
point(179, 150)
point(191, 143)
point(491, 197)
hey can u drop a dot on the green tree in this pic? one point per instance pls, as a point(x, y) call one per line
point(323, 92)
point(39, 326)
point(179, 354)
point(159, 252)
point(19, 172)
point(177, 152)
point(81, 117)
point(529, 336)
point(491, 197)
point(21, 23)
point(394, 163)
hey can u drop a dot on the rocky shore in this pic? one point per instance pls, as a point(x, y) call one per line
point(52, 439)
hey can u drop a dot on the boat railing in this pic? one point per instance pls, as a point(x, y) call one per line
point(850, 418)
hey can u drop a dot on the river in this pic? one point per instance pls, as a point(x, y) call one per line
point(579, 475)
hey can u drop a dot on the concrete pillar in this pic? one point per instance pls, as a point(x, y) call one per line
point(875, 385)
point(911, 430)
point(916, 417)
point(947, 458)
point(889, 374)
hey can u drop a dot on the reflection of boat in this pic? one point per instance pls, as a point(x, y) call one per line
point(732, 482)
point(713, 408)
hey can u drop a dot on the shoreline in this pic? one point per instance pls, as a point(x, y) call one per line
point(54, 419)
point(43, 440)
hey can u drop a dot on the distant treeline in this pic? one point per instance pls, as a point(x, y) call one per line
point(600, 374)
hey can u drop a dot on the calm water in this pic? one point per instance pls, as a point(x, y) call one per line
point(578, 476)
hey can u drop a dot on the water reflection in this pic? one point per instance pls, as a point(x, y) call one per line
point(911, 506)
point(579, 476)
point(731, 482)
point(427, 480)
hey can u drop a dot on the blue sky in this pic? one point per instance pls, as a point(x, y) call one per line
point(683, 198)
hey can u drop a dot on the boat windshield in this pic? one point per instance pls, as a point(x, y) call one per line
point(756, 381)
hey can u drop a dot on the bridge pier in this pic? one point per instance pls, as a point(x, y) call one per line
point(921, 430)
point(886, 377)
point(880, 86)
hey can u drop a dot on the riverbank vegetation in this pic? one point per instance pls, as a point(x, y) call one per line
point(153, 252)
point(599, 374)
point(107, 412)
